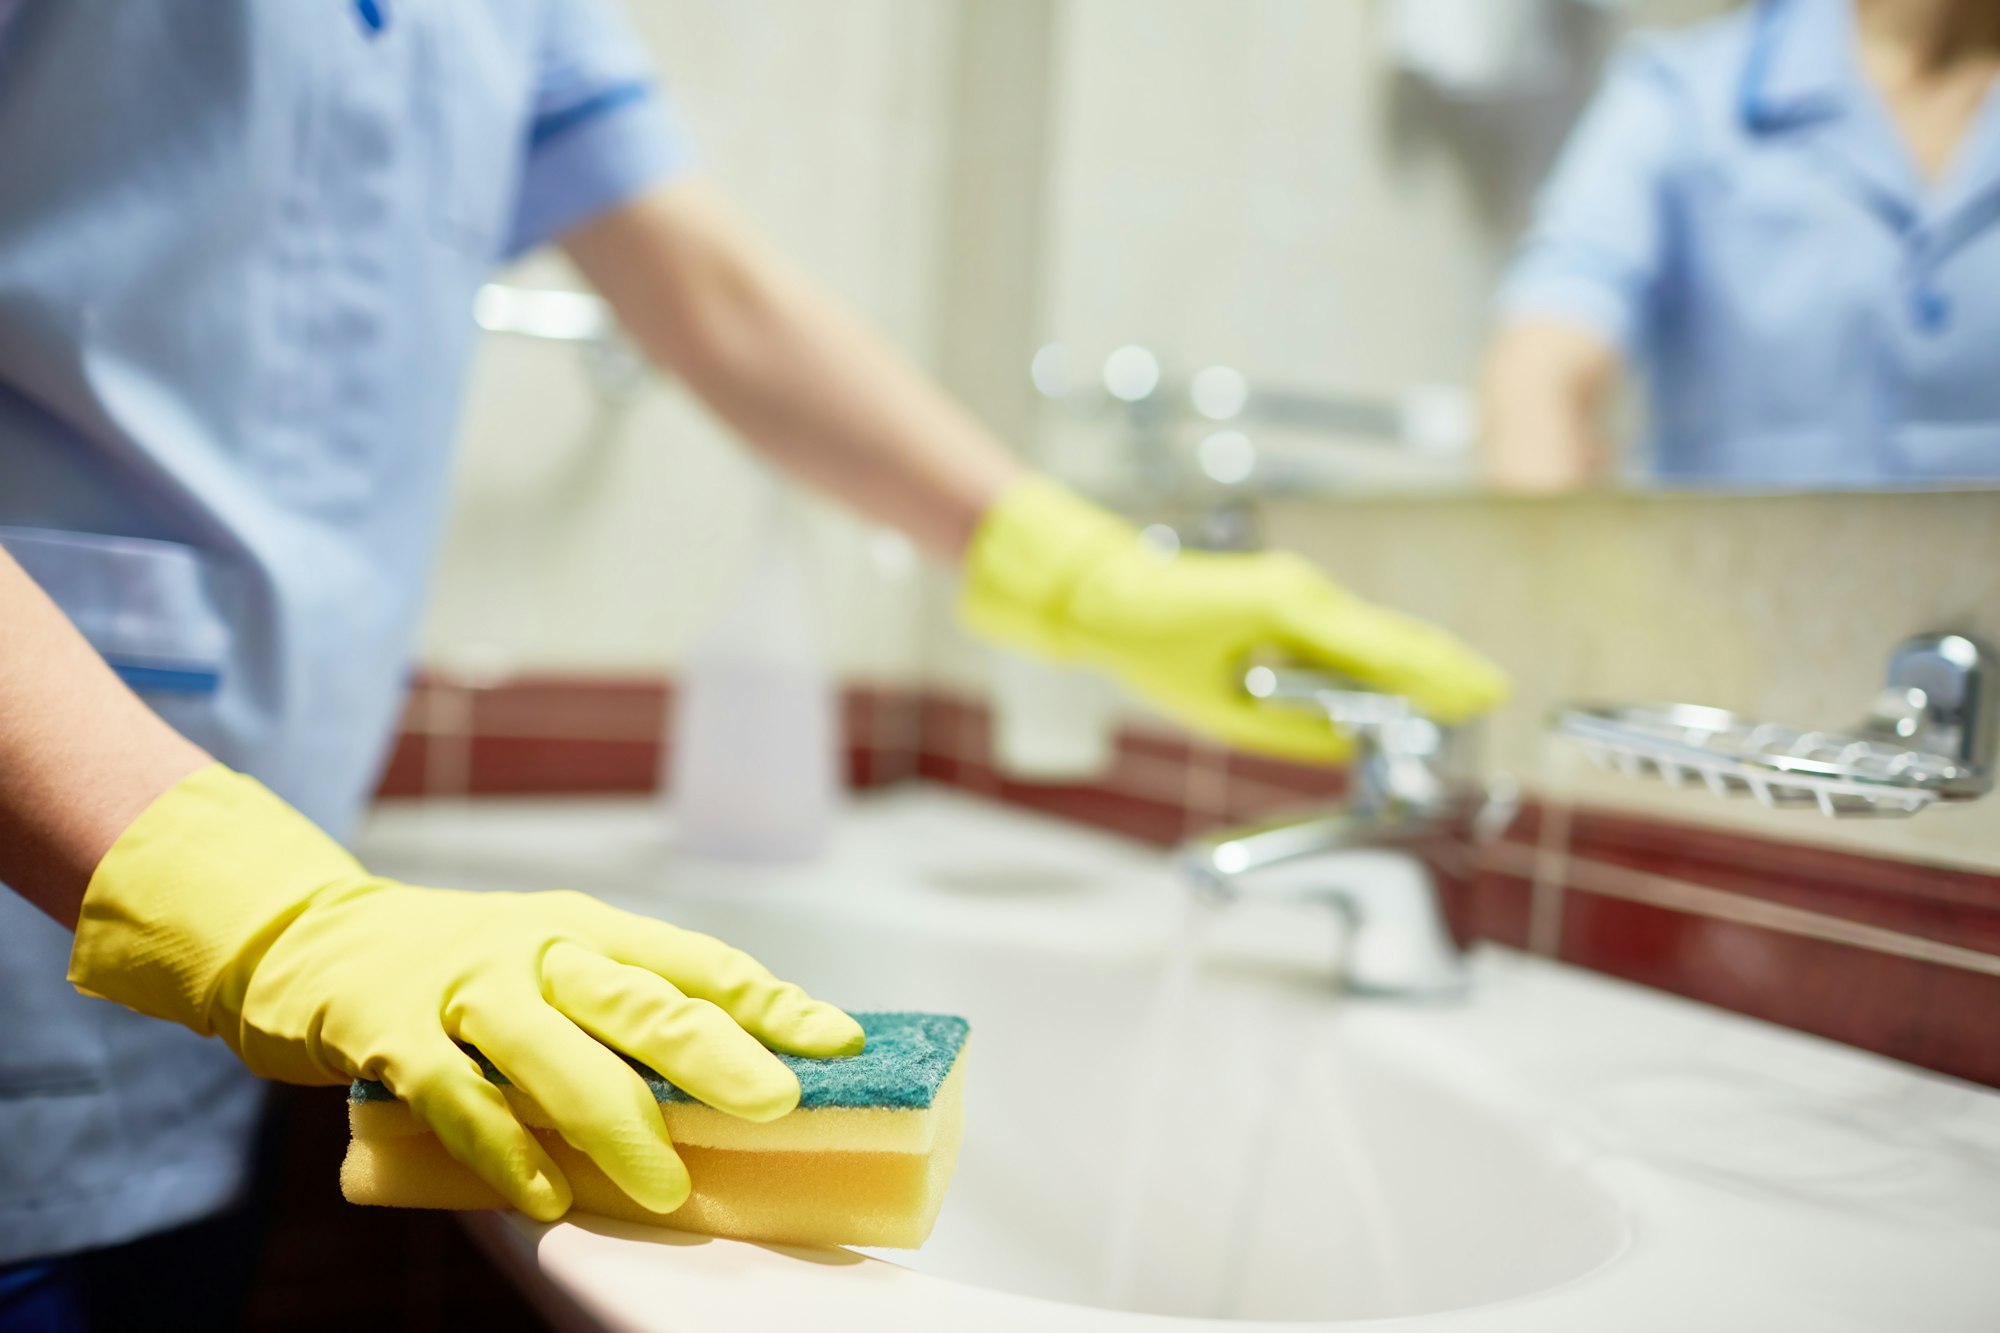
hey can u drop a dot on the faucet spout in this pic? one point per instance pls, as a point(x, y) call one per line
point(1395, 942)
point(1213, 863)
point(1356, 860)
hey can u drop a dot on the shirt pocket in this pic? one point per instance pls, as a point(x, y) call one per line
point(1778, 308)
point(1750, 230)
point(473, 90)
point(153, 610)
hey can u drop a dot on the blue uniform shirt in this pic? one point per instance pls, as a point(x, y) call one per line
point(1737, 213)
point(239, 243)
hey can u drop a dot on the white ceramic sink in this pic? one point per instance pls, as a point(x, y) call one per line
point(1556, 1152)
point(1278, 1157)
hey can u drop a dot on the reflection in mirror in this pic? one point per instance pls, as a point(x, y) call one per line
point(1537, 245)
point(1807, 287)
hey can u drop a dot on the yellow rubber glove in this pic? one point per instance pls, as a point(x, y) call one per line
point(1056, 575)
point(224, 909)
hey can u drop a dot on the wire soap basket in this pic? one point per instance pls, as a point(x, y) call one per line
point(1928, 738)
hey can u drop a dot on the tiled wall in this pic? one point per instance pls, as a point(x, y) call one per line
point(1784, 607)
point(547, 735)
point(1890, 956)
point(1884, 954)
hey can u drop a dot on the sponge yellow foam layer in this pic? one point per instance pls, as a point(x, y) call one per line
point(819, 1176)
point(868, 1129)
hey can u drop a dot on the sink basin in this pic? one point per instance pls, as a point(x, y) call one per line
point(1259, 1152)
point(1174, 1119)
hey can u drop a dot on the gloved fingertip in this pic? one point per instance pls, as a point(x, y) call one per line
point(1473, 697)
point(666, 1189)
point(828, 1033)
point(813, 1029)
point(778, 1097)
point(544, 1195)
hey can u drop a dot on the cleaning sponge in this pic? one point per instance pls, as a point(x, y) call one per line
point(864, 1160)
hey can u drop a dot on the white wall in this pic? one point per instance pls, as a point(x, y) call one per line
point(582, 540)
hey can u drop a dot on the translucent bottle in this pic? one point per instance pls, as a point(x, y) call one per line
point(753, 770)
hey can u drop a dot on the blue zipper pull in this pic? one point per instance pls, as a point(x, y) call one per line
point(374, 15)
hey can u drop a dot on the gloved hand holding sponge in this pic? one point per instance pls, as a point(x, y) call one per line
point(225, 910)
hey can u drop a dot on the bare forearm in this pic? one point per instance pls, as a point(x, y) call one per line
point(1547, 387)
point(80, 755)
point(807, 384)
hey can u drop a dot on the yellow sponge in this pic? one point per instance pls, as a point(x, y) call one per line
point(864, 1160)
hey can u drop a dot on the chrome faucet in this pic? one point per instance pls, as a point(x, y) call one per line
point(1356, 859)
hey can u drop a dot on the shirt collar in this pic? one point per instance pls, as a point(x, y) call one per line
point(1801, 64)
point(1802, 77)
point(1803, 74)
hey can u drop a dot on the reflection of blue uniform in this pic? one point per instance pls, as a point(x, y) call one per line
point(239, 241)
point(1739, 214)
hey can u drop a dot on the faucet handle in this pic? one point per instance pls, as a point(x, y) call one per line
point(1402, 752)
point(1344, 702)
point(1391, 722)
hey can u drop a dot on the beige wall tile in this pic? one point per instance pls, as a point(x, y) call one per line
point(1782, 607)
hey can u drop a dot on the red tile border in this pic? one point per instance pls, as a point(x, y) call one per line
point(1160, 823)
point(869, 768)
point(952, 726)
point(1312, 781)
point(1155, 745)
point(403, 771)
point(520, 766)
point(1952, 906)
point(559, 734)
point(527, 765)
point(541, 705)
point(578, 734)
point(1942, 1018)
point(1480, 902)
point(572, 766)
point(552, 706)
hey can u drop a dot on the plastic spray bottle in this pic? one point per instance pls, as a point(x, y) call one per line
point(753, 772)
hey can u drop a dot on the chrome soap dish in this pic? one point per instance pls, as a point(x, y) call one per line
point(1929, 737)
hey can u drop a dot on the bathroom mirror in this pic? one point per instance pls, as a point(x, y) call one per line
point(1466, 245)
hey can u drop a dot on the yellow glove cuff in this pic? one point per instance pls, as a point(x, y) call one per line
point(204, 879)
point(1023, 563)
